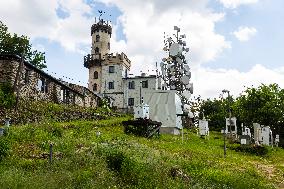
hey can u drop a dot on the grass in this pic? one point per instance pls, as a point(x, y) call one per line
point(82, 159)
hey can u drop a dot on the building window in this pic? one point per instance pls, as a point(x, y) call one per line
point(131, 85)
point(95, 88)
point(97, 50)
point(97, 38)
point(27, 76)
point(42, 85)
point(145, 84)
point(111, 85)
point(126, 73)
point(96, 75)
point(108, 46)
point(131, 102)
point(111, 69)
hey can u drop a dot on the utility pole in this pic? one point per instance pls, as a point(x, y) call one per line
point(230, 120)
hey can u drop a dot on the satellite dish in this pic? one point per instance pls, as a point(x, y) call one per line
point(186, 68)
point(186, 94)
point(179, 60)
point(165, 49)
point(176, 28)
point(173, 87)
point(185, 79)
point(175, 49)
point(164, 59)
point(188, 74)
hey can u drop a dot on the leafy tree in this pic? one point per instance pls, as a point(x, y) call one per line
point(215, 111)
point(20, 45)
point(263, 105)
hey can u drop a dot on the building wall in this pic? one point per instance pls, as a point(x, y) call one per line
point(8, 70)
point(102, 44)
point(98, 81)
point(135, 93)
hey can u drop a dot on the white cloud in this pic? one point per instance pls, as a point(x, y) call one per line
point(244, 33)
point(232, 4)
point(210, 82)
point(38, 19)
point(144, 23)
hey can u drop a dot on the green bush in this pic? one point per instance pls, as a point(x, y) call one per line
point(4, 148)
point(256, 150)
point(7, 96)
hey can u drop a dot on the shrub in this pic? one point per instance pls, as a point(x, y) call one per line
point(7, 96)
point(4, 148)
point(256, 150)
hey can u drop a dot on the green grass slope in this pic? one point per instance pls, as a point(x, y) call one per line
point(81, 159)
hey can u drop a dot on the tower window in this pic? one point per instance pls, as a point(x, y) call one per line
point(111, 85)
point(145, 84)
point(97, 38)
point(95, 87)
point(131, 102)
point(108, 46)
point(111, 69)
point(97, 50)
point(131, 85)
point(96, 75)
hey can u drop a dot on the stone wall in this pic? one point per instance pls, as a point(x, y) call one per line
point(37, 85)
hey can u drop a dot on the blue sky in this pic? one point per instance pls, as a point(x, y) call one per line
point(233, 43)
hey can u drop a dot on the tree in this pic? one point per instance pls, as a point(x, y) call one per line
point(20, 45)
point(263, 105)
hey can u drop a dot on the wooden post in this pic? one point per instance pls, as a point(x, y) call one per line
point(50, 153)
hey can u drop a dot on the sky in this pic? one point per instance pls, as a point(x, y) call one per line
point(233, 44)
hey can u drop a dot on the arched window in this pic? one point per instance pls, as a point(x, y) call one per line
point(108, 46)
point(95, 88)
point(96, 75)
point(97, 50)
point(97, 38)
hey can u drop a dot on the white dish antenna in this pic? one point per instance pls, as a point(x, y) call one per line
point(186, 68)
point(173, 87)
point(175, 49)
point(185, 79)
point(179, 61)
point(188, 74)
point(186, 94)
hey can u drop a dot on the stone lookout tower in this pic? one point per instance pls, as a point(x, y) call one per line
point(106, 69)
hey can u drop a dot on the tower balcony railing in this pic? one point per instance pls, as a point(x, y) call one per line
point(92, 60)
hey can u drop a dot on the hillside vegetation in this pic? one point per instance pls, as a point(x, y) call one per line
point(84, 159)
